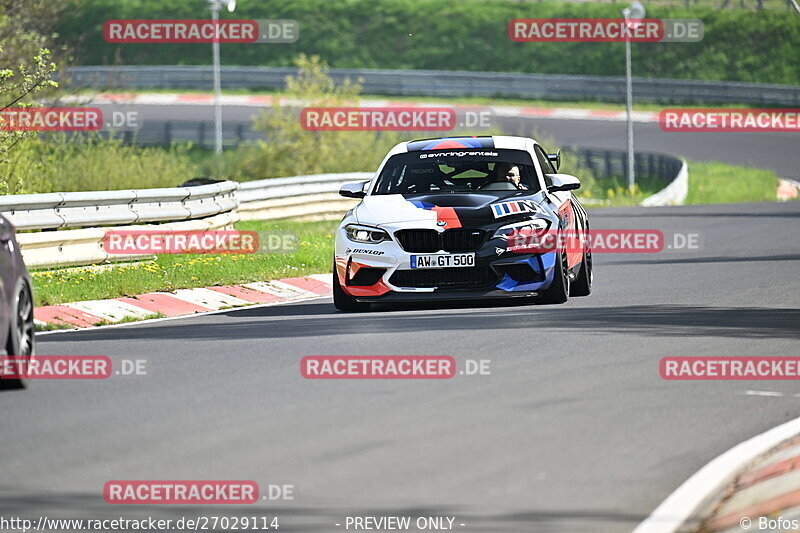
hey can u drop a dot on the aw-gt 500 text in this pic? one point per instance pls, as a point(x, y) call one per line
point(444, 218)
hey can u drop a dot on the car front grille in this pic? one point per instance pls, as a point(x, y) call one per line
point(448, 278)
point(430, 241)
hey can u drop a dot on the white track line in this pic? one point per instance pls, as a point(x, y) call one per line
point(764, 393)
point(680, 505)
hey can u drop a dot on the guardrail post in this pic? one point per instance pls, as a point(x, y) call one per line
point(637, 165)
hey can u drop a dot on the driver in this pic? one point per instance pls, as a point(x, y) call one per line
point(508, 172)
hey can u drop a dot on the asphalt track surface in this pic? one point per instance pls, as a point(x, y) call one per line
point(573, 431)
point(777, 151)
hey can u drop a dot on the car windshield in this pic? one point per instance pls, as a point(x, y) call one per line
point(458, 171)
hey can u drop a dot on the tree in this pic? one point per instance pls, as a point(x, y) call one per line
point(26, 66)
point(17, 87)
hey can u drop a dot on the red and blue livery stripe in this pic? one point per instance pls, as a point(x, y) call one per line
point(448, 143)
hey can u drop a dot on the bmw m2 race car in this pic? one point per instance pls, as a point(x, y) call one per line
point(462, 218)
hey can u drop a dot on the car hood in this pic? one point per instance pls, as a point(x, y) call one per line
point(446, 210)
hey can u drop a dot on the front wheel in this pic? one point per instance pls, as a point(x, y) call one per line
point(582, 286)
point(21, 342)
point(343, 301)
point(558, 292)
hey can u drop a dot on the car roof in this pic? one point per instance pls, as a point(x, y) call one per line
point(461, 142)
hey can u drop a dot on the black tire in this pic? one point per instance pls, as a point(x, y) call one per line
point(21, 340)
point(343, 301)
point(558, 292)
point(582, 286)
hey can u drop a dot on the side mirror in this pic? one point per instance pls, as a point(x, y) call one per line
point(555, 159)
point(353, 190)
point(562, 182)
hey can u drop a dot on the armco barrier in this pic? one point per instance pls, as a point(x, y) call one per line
point(296, 196)
point(81, 219)
point(85, 246)
point(674, 193)
point(108, 208)
point(443, 83)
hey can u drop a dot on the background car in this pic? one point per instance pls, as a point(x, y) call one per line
point(453, 219)
point(16, 302)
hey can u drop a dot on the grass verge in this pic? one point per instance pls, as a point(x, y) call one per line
point(614, 192)
point(720, 183)
point(170, 272)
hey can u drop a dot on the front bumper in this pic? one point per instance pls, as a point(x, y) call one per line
point(445, 296)
point(497, 274)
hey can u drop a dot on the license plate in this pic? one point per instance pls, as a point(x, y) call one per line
point(443, 260)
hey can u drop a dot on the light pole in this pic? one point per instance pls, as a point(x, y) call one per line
point(214, 6)
point(634, 12)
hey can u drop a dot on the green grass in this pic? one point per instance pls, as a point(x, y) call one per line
point(720, 183)
point(58, 163)
point(170, 272)
point(52, 327)
point(614, 192)
point(127, 320)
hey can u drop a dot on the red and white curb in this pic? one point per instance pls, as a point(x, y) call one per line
point(787, 190)
point(563, 113)
point(761, 459)
point(769, 489)
point(182, 302)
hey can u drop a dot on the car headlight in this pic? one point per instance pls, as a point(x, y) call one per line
point(535, 225)
point(365, 234)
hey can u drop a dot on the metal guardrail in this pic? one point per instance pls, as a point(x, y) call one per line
point(299, 196)
point(106, 208)
point(614, 163)
point(274, 188)
point(444, 83)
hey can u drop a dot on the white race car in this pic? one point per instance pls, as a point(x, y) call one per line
point(453, 218)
